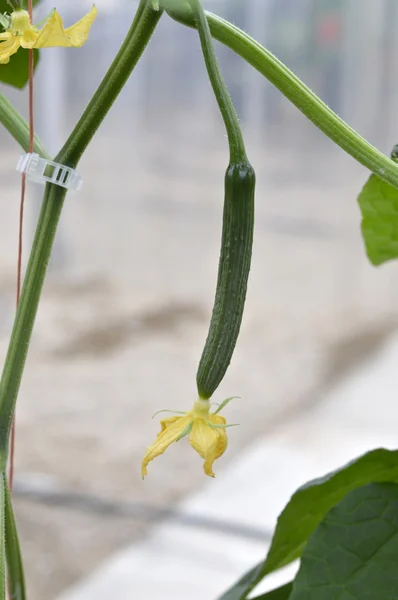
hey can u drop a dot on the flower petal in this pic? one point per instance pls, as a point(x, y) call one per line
point(202, 437)
point(9, 45)
point(222, 443)
point(165, 423)
point(222, 440)
point(170, 432)
point(217, 419)
point(205, 441)
point(78, 32)
point(54, 34)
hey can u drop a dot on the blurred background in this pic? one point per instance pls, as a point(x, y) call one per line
point(129, 293)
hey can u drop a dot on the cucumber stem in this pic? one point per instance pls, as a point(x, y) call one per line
point(235, 138)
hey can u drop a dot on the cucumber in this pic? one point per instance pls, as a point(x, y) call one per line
point(237, 233)
point(233, 273)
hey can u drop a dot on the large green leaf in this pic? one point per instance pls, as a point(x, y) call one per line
point(353, 553)
point(282, 593)
point(307, 508)
point(16, 72)
point(378, 202)
point(311, 502)
point(242, 587)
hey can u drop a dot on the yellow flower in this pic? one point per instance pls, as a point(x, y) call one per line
point(207, 434)
point(22, 34)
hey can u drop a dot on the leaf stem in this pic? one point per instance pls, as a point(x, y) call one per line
point(18, 127)
point(235, 137)
point(298, 93)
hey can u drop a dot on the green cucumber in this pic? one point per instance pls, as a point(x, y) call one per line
point(237, 234)
point(233, 273)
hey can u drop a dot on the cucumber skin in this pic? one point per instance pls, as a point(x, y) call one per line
point(233, 274)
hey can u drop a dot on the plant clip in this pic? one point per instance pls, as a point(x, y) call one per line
point(41, 170)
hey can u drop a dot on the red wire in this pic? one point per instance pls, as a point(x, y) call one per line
point(20, 234)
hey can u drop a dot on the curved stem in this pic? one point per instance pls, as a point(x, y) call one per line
point(18, 127)
point(136, 41)
point(235, 138)
point(298, 93)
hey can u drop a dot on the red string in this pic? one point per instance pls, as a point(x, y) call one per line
point(20, 234)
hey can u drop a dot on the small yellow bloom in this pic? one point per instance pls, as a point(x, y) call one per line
point(207, 434)
point(22, 34)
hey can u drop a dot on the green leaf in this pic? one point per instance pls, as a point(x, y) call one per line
point(242, 587)
point(378, 202)
point(15, 572)
point(353, 553)
point(311, 502)
point(16, 72)
point(307, 508)
point(282, 593)
point(6, 8)
point(239, 590)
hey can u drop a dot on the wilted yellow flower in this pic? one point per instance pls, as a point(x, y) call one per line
point(207, 434)
point(22, 34)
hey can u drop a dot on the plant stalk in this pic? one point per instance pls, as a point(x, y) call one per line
point(131, 50)
point(298, 93)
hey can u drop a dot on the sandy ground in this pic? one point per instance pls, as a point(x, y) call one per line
point(124, 316)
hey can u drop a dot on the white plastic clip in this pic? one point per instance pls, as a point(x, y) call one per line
point(42, 170)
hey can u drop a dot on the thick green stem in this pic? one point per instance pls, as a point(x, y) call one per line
point(298, 93)
point(235, 138)
point(15, 572)
point(2, 537)
point(18, 127)
point(136, 41)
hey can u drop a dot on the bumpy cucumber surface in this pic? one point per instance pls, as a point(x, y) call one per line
point(233, 273)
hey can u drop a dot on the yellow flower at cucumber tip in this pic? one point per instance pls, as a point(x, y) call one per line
point(206, 431)
point(20, 33)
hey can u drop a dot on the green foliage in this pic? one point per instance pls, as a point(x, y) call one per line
point(245, 584)
point(16, 72)
point(308, 506)
point(311, 502)
point(282, 593)
point(6, 8)
point(14, 4)
point(352, 555)
point(378, 202)
point(6, 5)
